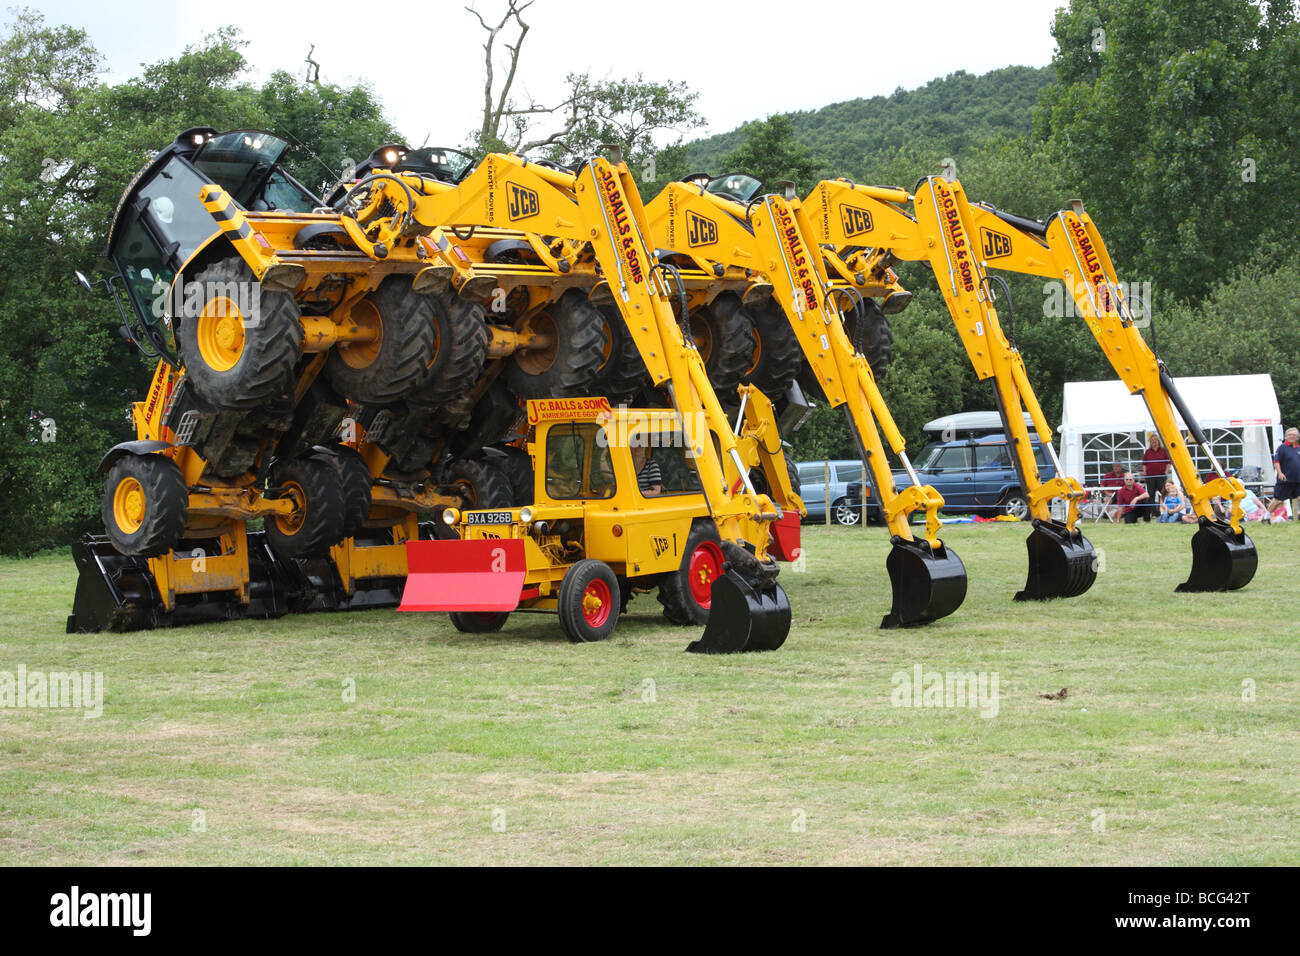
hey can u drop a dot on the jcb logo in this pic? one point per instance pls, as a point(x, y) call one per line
point(700, 231)
point(995, 244)
point(522, 202)
point(855, 220)
point(659, 544)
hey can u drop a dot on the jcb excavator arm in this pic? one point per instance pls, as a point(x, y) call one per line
point(939, 233)
point(600, 205)
point(769, 235)
point(1069, 247)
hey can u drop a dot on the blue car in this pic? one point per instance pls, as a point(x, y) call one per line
point(974, 475)
point(813, 489)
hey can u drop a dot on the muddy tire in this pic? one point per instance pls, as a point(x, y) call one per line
point(571, 364)
point(869, 330)
point(316, 522)
point(480, 484)
point(145, 506)
point(777, 357)
point(724, 335)
point(589, 601)
point(233, 360)
point(518, 469)
point(683, 592)
point(395, 362)
point(459, 352)
point(623, 373)
point(354, 474)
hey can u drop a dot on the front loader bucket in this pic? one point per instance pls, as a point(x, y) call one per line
point(748, 610)
point(115, 592)
point(927, 583)
point(484, 575)
point(1222, 560)
point(1062, 563)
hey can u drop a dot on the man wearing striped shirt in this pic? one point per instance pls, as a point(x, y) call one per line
point(648, 476)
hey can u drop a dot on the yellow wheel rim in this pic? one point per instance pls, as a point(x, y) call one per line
point(129, 505)
point(221, 334)
point(360, 353)
point(535, 361)
point(291, 523)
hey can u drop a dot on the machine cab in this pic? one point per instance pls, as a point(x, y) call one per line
point(160, 222)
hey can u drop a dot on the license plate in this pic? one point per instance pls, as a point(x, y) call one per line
point(488, 517)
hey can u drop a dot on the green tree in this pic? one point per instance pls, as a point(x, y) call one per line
point(771, 152)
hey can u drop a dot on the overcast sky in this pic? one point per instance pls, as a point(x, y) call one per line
point(425, 60)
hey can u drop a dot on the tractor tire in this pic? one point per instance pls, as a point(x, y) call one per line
point(570, 366)
point(684, 592)
point(478, 622)
point(623, 373)
point(317, 522)
point(518, 469)
point(724, 335)
point(354, 474)
point(589, 601)
point(479, 482)
point(869, 331)
point(146, 505)
point(232, 361)
point(777, 356)
point(383, 370)
point(460, 343)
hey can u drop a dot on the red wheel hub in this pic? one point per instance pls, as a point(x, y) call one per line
point(705, 567)
point(596, 603)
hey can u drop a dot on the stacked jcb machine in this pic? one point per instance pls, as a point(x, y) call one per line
point(598, 208)
point(1068, 247)
point(861, 222)
point(271, 328)
point(728, 233)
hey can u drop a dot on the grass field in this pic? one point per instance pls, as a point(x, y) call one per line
point(235, 743)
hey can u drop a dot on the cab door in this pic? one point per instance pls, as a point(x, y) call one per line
point(994, 473)
point(950, 474)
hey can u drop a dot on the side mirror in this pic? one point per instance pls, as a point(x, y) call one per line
point(85, 283)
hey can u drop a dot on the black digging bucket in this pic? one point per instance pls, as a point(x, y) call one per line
point(927, 583)
point(1222, 559)
point(748, 610)
point(1062, 563)
point(115, 592)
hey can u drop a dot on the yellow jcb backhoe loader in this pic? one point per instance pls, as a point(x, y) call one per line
point(847, 218)
point(600, 208)
point(1069, 247)
point(769, 234)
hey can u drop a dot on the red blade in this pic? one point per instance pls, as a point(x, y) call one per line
point(475, 575)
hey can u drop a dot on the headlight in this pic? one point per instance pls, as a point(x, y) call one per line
point(450, 516)
point(526, 515)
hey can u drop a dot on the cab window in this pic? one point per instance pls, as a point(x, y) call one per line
point(664, 454)
point(578, 464)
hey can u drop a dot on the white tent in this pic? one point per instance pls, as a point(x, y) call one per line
point(1102, 423)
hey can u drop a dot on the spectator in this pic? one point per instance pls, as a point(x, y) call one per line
point(1130, 498)
point(1286, 464)
point(1112, 482)
point(1252, 509)
point(1173, 507)
point(1155, 468)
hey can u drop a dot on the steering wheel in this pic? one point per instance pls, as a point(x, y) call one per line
point(377, 212)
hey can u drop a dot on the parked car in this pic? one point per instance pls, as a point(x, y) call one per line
point(974, 475)
point(813, 489)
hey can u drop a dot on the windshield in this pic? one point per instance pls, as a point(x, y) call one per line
point(245, 164)
point(738, 186)
point(447, 165)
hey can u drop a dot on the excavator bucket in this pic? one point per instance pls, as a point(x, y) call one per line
point(1222, 560)
point(481, 574)
point(117, 592)
point(748, 610)
point(927, 583)
point(1062, 563)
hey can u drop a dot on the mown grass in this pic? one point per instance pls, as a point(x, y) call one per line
point(1153, 757)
